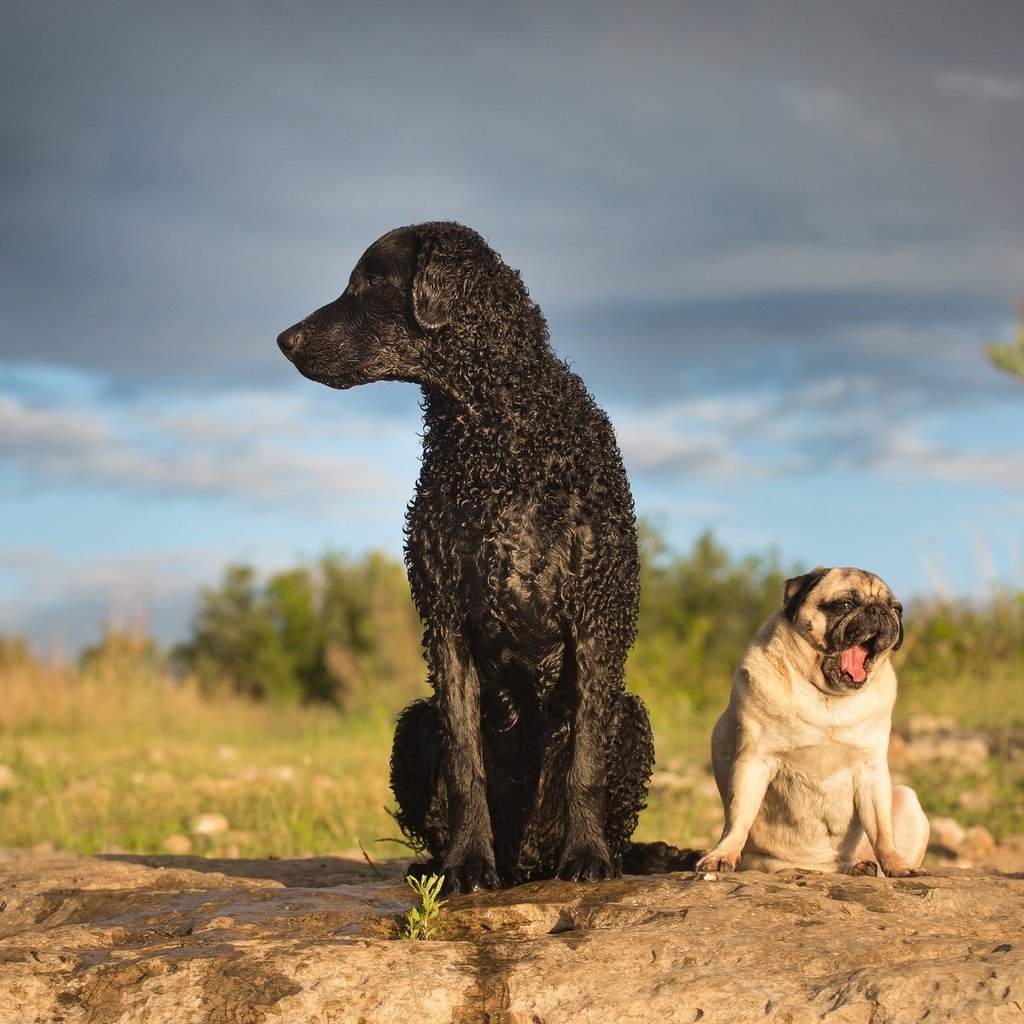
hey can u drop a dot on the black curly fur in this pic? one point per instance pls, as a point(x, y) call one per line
point(530, 760)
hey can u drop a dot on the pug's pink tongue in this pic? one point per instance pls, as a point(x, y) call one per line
point(852, 663)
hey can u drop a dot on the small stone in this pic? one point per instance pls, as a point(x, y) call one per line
point(898, 758)
point(978, 843)
point(668, 782)
point(980, 798)
point(925, 724)
point(947, 836)
point(8, 780)
point(210, 824)
point(179, 845)
point(965, 753)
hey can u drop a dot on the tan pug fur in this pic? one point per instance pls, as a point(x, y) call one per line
point(801, 753)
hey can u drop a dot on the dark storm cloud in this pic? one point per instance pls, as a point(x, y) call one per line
point(691, 192)
point(910, 344)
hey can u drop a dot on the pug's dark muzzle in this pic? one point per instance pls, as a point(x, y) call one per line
point(855, 642)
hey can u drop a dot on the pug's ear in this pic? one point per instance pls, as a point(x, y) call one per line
point(795, 592)
point(898, 609)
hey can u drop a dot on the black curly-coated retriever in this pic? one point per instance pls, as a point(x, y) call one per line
point(530, 760)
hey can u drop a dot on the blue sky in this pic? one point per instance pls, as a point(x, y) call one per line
point(772, 237)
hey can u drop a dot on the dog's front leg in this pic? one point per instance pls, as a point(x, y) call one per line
point(873, 801)
point(468, 860)
point(585, 855)
point(749, 777)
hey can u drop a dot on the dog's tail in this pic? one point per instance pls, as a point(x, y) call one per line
point(658, 859)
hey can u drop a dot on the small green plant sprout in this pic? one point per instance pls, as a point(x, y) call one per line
point(423, 921)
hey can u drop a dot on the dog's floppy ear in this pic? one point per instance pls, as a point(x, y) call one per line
point(433, 285)
point(898, 608)
point(795, 592)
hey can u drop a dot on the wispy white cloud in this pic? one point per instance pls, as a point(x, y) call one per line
point(245, 448)
point(655, 447)
point(829, 426)
point(924, 456)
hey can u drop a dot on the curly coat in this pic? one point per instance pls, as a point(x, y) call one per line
point(530, 760)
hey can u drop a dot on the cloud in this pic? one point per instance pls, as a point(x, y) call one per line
point(980, 86)
point(835, 114)
point(655, 447)
point(910, 453)
point(241, 448)
point(832, 426)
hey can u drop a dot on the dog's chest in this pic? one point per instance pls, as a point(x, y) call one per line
point(515, 570)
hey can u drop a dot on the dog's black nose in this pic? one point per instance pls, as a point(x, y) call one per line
point(290, 340)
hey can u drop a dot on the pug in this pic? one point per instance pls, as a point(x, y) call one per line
point(801, 753)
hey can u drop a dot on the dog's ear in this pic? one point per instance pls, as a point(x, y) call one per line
point(898, 609)
point(795, 592)
point(433, 286)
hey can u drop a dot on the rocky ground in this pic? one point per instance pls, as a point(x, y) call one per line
point(153, 939)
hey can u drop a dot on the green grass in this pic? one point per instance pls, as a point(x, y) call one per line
point(117, 758)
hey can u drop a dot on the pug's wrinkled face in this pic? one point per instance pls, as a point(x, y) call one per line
point(850, 617)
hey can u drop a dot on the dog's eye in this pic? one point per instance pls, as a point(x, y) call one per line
point(844, 604)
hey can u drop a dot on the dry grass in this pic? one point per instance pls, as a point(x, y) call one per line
point(113, 758)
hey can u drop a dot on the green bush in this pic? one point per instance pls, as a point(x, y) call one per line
point(341, 631)
point(698, 612)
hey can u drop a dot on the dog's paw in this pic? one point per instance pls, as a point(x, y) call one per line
point(470, 874)
point(903, 870)
point(585, 865)
point(718, 860)
point(864, 867)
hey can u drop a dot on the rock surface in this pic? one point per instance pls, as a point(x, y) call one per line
point(178, 939)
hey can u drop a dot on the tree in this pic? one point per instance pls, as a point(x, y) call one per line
point(1009, 357)
point(237, 639)
point(698, 612)
point(341, 631)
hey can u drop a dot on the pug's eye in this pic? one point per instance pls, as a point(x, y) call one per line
point(843, 605)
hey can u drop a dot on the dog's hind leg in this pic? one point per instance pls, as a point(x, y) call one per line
point(586, 856)
point(630, 758)
point(910, 830)
point(415, 779)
